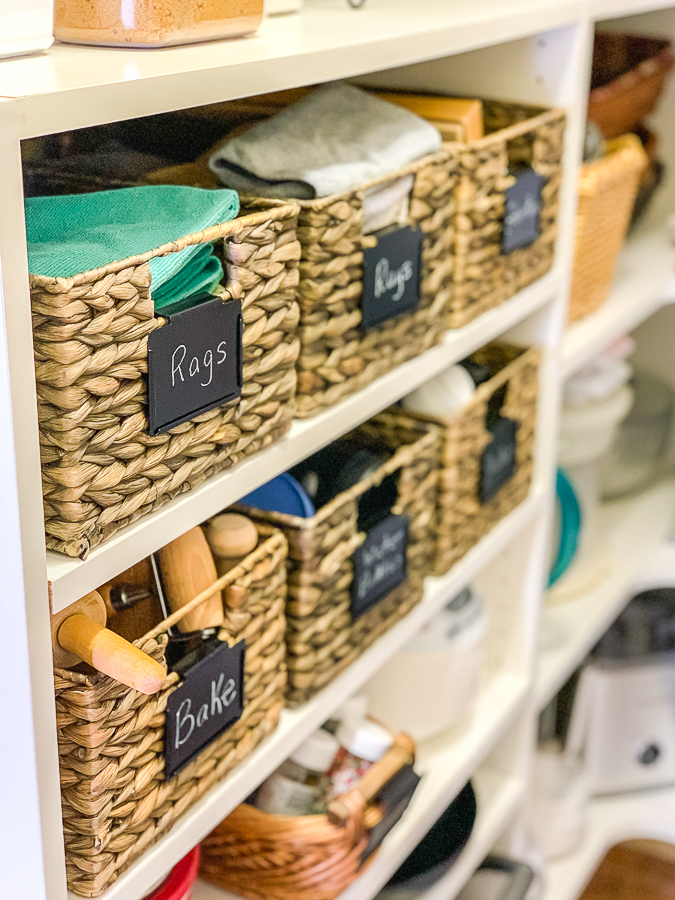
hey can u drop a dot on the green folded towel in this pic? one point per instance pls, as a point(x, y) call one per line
point(75, 233)
point(202, 274)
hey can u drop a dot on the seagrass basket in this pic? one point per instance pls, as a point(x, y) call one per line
point(323, 635)
point(337, 357)
point(464, 513)
point(101, 469)
point(607, 191)
point(516, 137)
point(268, 857)
point(116, 801)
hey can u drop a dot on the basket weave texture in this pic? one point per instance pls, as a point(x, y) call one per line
point(515, 136)
point(101, 469)
point(115, 800)
point(462, 518)
point(322, 637)
point(337, 357)
point(607, 190)
point(268, 857)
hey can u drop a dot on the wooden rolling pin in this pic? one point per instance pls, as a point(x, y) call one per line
point(231, 537)
point(188, 569)
point(79, 635)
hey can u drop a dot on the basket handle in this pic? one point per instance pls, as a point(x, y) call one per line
point(401, 752)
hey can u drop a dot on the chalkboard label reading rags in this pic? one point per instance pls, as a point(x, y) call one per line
point(522, 211)
point(391, 276)
point(499, 458)
point(194, 361)
point(379, 563)
point(209, 700)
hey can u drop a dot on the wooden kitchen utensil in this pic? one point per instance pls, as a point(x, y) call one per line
point(188, 569)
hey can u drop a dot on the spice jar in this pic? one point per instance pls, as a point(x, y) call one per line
point(361, 744)
point(300, 785)
point(136, 23)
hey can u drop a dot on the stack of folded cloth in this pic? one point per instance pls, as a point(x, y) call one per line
point(77, 233)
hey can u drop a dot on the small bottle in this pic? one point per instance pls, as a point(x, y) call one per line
point(300, 785)
point(361, 745)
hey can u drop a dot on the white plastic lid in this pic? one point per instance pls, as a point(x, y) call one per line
point(367, 740)
point(355, 709)
point(317, 753)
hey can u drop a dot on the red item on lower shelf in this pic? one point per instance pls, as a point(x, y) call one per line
point(178, 884)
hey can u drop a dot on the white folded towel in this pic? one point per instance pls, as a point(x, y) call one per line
point(335, 139)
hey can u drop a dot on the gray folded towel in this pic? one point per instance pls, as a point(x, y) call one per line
point(335, 139)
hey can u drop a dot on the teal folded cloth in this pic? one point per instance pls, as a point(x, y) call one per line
point(75, 233)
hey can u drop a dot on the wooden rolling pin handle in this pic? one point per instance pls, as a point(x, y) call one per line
point(110, 654)
point(188, 570)
point(235, 596)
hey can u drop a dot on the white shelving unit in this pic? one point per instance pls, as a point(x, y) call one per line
point(535, 51)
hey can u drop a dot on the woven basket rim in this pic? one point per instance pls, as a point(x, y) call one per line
point(212, 233)
point(550, 114)
point(624, 154)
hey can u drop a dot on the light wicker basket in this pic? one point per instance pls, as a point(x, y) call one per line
point(462, 518)
point(101, 469)
point(267, 857)
point(115, 799)
point(515, 135)
point(607, 191)
point(322, 636)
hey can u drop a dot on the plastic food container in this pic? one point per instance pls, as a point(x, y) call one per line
point(136, 23)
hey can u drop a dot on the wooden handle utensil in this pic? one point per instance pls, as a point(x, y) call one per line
point(231, 537)
point(188, 569)
point(79, 635)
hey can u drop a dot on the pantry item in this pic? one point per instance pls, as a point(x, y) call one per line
point(300, 786)
point(119, 23)
point(255, 854)
point(347, 586)
point(282, 494)
point(105, 827)
point(455, 118)
point(25, 28)
point(499, 878)
point(187, 570)
point(638, 456)
point(566, 528)
point(641, 867)
point(448, 391)
point(79, 635)
point(436, 852)
point(362, 743)
point(330, 141)
point(131, 470)
point(607, 189)
point(487, 450)
point(558, 805)
point(230, 537)
point(628, 75)
point(431, 684)
point(178, 884)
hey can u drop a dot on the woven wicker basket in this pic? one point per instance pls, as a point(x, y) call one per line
point(101, 469)
point(607, 190)
point(462, 518)
point(336, 356)
point(115, 799)
point(514, 136)
point(266, 857)
point(322, 637)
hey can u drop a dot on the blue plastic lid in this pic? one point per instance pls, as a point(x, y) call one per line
point(282, 494)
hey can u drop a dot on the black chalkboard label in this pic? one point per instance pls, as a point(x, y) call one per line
point(210, 699)
point(391, 276)
point(379, 563)
point(522, 211)
point(499, 458)
point(194, 361)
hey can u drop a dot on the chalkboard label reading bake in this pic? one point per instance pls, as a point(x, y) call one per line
point(522, 212)
point(210, 699)
point(499, 458)
point(194, 361)
point(391, 276)
point(379, 563)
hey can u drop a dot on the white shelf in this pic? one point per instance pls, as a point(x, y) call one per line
point(644, 281)
point(621, 817)
point(71, 87)
point(71, 579)
point(498, 701)
point(498, 797)
point(639, 536)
